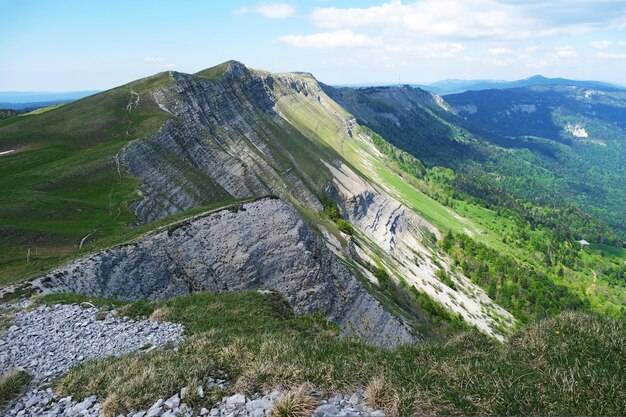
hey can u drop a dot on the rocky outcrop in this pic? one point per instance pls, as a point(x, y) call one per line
point(44, 403)
point(262, 244)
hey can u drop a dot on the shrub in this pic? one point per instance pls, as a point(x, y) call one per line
point(445, 278)
point(331, 210)
point(381, 274)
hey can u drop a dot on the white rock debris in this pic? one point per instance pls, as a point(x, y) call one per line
point(48, 340)
point(44, 403)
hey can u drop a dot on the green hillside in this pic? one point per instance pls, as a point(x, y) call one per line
point(575, 137)
point(63, 186)
point(62, 182)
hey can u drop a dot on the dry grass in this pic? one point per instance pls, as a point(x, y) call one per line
point(159, 314)
point(296, 403)
point(112, 406)
point(380, 395)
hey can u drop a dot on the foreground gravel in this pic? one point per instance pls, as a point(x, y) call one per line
point(44, 403)
point(49, 340)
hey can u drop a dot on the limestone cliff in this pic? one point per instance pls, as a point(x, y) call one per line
point(259, 245)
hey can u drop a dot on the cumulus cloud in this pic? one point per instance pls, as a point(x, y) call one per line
point(601, 44)
point(269, 10)
point(495, 19)
point(611, 55)
point(445, 18)
point(500, 51)
point(339, 38)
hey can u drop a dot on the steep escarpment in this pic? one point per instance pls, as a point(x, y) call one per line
point(263, 244)
point(241, 133)
point(233, 133)
point(403, 235)
point(227, 141)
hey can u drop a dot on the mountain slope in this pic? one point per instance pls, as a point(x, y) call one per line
point(586, 146)
point(234, 133)
point(61, 182)
point(535, 197)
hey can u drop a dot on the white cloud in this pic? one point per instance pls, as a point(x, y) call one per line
point(566, 51)
point(154, 59)
point(269, 10)
point(500, 51)
point(601, 44)
point(339, 38)
point(439, 49)
point(621, 43)
point(611, 55)
point(276, 10)
point(169, 65)
point(446, 18)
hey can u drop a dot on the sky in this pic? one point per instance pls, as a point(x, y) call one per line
point(68, 45)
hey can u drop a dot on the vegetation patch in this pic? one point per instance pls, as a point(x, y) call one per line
point(568, 365)
point(12, 384)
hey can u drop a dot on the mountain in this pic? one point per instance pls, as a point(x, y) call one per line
point(301, 234)
point(174, 142)
point(584, 127)
point(32, 100)
point(534, 178)
point(459, 86)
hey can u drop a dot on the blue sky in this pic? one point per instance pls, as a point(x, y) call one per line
point(63, 45)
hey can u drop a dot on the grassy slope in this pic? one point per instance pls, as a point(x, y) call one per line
point(321, 126)
point(62, 183)
point(569, 365)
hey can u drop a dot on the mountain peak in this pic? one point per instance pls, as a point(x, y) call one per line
point(231, 67)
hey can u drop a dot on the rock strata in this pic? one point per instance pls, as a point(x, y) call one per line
point(261, 244)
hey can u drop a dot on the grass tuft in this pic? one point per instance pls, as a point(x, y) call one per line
point(12, 384)
point(296, 403)
point(380, 395)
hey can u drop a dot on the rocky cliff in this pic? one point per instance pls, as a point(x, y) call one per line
point(259, 245)
point(237, 133)
point(228, 140)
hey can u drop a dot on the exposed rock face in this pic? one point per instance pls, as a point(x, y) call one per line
point(399, 232)
point(223, 144)
point(265, 244)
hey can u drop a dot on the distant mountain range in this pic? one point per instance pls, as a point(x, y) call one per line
point(444, 87)
point(31, 100)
